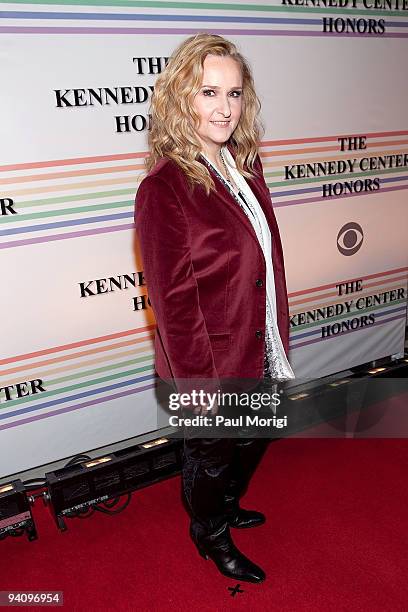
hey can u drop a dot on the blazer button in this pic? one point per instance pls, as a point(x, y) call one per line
point(258, 333)
point(259, 282)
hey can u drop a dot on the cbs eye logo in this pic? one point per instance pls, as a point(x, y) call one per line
point(350, 238)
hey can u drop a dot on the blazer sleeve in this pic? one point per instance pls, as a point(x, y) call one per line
point(163, 234)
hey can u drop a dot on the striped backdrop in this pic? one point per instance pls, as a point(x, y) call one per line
point(72, 180)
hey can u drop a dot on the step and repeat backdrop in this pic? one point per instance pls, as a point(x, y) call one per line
point(77, 362)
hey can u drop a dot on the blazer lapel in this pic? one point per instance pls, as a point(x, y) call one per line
point(228, 200)
point(262, 194)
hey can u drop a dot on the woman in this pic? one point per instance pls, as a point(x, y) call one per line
point(213, 264)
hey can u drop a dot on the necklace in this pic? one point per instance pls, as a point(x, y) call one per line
point(229, 178)
point(241, 195)
point(238, 195)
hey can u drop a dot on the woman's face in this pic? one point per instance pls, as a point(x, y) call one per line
point(219, 101)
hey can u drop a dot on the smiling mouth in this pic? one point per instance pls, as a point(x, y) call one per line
point(221, 123)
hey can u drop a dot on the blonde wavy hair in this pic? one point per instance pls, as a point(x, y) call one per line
point(172, 134)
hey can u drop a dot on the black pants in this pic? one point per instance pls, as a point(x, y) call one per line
point(215, 474)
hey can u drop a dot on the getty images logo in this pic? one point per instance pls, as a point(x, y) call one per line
point(350, 238)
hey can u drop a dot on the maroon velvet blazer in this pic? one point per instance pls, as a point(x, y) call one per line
point(206, 277)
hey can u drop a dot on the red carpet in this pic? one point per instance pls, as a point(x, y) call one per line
point(335, 539)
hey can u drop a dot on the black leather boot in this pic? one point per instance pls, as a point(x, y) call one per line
point(248, 453)
point(219, 547)
point(240, 518)
point(204, 487)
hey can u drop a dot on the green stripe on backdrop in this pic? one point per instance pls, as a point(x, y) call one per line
point(82, 385)
point(66, 211)
point(211, 6)
point(75, 198)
